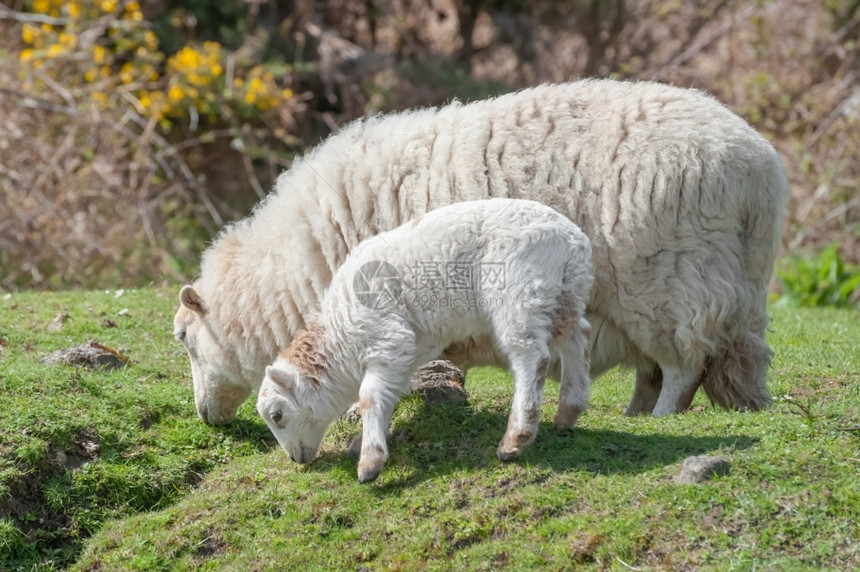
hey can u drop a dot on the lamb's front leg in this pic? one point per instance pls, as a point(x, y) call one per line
point(376, 402)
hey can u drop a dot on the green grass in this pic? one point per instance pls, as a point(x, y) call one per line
point(111, 470)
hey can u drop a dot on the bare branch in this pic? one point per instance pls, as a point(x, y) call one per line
point(687, 54)
point(7, 13)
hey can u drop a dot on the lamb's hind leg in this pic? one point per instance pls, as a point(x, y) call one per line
point(575, 381)
point(529, 371)
point(679, 388)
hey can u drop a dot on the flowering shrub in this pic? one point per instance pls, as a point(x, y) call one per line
point(104, 51)
point(121, 159)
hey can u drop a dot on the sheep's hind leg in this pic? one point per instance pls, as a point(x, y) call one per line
point(575, 381)
point(529, 372)
point(649, 383)
point(679, 388)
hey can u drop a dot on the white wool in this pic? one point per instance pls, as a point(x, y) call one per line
point(681, 199)
point(515, 271)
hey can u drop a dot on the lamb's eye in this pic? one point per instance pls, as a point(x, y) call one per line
point(276, 416)
point(180, 336)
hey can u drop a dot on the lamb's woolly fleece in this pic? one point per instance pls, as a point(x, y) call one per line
point(681, 199)
point(377, 327)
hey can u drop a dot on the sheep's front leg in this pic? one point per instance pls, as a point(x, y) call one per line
point(376, 402)
point(649, 383)
point(529, 378)
point(679, 388)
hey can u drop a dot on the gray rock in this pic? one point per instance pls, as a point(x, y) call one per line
point(701, 468)
point(352, 415)
point(440, 381)
point(91, 354)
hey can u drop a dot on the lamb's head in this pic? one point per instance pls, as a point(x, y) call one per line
point(290, 405)
point(216, 375)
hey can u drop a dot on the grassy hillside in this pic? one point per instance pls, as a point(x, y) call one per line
point(104, 470)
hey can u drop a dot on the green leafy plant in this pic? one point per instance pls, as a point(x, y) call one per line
point(824, 281)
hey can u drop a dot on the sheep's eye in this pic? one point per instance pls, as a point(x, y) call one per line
point(180, 336)
point(276, 416)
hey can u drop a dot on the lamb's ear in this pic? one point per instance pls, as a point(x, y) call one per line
point(192, 300)
point(285, 382)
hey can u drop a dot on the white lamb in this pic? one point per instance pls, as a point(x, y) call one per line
point(681, 199)
point(513, 270)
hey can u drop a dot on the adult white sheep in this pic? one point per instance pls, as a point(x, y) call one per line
point(515, 271)
point(681, 199)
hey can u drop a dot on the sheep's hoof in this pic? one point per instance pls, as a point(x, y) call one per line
point(353, 451)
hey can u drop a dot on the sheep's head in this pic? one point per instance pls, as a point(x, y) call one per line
point(218, 389)
point(287, 403)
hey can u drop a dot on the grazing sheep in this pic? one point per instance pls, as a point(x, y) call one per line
point(515, 271)
point(681, 199)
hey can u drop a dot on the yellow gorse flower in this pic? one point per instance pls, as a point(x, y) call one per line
point(68, 40)
point(99, 53)
point(28, 33)
point(175, 93)
point(150, 39)
point(74, 10)
point(126, 74)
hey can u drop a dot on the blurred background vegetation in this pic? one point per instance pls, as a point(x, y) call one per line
point(133, 130)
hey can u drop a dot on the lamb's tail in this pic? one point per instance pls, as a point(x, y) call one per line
point(735, 379)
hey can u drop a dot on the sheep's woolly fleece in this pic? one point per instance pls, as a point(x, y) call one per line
point(681, 199)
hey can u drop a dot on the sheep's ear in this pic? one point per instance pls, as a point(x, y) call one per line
point(192, 300)
point(282, 379)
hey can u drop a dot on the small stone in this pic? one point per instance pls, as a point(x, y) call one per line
point(124, 312)
point(701, 468)
point(60, 458)
point(57, 323)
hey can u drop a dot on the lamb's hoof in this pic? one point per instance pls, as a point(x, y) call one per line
point(566, 418)
point(368, 475)
point(505, 455)
point(370, 465)
point(353, 451)
point(512, 444)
